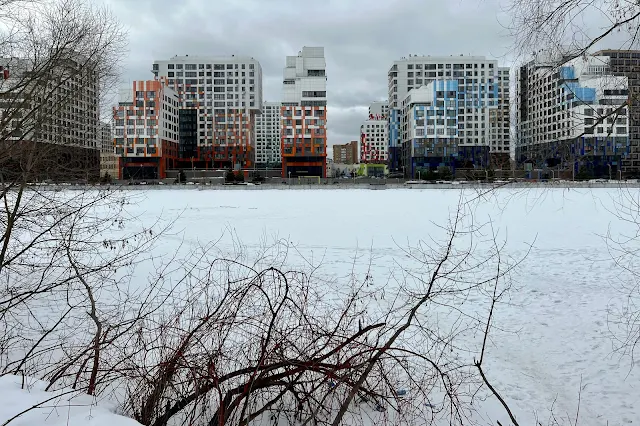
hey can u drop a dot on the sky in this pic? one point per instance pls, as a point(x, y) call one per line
point(361, 38)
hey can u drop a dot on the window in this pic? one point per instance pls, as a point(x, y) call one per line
point(170, 66)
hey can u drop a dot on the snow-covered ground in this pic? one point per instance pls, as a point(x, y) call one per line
point(552, 345)
point(23, 402)
point(553, 337)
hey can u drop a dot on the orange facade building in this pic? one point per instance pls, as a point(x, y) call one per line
point(304, 115)
point(304, 141)
point(146, 130)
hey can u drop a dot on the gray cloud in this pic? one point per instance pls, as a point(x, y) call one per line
point(361, 40)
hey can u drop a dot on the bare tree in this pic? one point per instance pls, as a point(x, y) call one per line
point(561, 27)
point(58, 60)
point(60, 251)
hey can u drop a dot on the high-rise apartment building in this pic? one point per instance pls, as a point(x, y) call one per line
point(374, 135)
point(447, 111)
point(627, 63)
point(346, 154)
point(51, 116)
point(304, 114)
point(226, 95)
point(146, 130)
point(267, 134)
point(572, 116)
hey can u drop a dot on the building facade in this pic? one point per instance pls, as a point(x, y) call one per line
point(572, 116)
point(304, 114)
point(374, 144)
point(146, 130)
point(267, 134)
point(346, 153)
point(222, 97)
point(447, 111)
point(108, 159)
point(55, 118)
point(627, 63)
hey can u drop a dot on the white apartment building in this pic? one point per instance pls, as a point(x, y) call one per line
point(267, 134)
point(470, 100)
point(572, 115)
point(227, 93)
point(304, 114)
point(374, 135)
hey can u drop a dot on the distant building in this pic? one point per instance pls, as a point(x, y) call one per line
point(146, 130)
point(304, 114)
point(222, 96)
point(108, 159)
point(267, 135)
point(346, 154)
point(374, 135)
point(447, 111)
point(572, 116)
point(627, 63)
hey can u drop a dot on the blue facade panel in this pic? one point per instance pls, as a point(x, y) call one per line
point(567, 73)
point(585, 94)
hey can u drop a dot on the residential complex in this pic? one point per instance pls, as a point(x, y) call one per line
point(572, 116)
point(444, 111)
point(304, 114)
point(222, 97)
point(146, 130)
point(267, 134)
point(627, 63)
point(447, 111)
point(346, 154)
